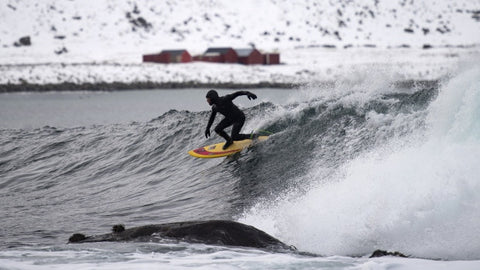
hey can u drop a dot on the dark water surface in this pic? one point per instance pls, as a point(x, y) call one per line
point(86, 108)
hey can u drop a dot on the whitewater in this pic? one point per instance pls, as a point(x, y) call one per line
point(360, 165)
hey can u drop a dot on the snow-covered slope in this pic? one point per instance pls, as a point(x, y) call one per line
point(99, 31)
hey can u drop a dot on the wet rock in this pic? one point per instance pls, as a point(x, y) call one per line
point(77, 237)
point(118, 228)
point(217, 232)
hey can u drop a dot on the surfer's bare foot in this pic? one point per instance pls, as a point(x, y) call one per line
point(227, 144)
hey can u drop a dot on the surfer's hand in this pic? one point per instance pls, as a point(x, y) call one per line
point(207, 133)
point(251, 96)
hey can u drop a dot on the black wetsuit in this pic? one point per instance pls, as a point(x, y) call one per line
point(233, 115)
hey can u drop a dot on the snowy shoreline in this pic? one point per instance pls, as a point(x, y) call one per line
point(119, 86)
point(62, 45)
point(299, 67)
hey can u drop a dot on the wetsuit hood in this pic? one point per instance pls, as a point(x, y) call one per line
point(213, 95)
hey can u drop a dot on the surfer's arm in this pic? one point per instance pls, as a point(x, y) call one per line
point(250, 95)
point(210, 122)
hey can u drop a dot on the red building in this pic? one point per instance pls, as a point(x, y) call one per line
point(219, 55)
point(249, 56)
point(209, 57)
point(169, 56)
point(271, 58)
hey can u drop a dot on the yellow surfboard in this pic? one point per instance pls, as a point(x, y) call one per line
point(215, 150)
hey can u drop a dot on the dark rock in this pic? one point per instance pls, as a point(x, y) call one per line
point(329, 46)
point(61, 51)
point(23, 41)
point(77, 237)
point(142, 22)
point(476, 15)
point(118, 228)
point(337, 35)
point(136, 10)
point(139, 22)
point(217, 232)
point(382, 253)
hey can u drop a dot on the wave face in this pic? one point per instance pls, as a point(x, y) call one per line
point(354, 167)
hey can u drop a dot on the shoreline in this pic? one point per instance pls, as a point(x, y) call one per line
point(122, 86)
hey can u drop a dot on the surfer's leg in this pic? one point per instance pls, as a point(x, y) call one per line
point(219, 129)
point(237, 126)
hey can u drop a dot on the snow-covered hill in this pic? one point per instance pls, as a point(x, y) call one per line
point(109, 31)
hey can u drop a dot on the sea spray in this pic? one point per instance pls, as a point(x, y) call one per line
point(418, 194)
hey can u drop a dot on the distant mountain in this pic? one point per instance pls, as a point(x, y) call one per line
point(111, 30)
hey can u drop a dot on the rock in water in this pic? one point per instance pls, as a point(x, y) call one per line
point(217, 232)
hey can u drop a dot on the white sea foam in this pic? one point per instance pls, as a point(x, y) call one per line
point(418, 197)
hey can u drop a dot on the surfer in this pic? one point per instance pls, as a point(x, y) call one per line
point(233, 115)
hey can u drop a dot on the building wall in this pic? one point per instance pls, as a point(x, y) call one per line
point(271, 59)
point(255, 58)
point(166, 58)
point(213, 59)
point(186, 57)
point(156, 58)
point(230, 57)
point(182, 58)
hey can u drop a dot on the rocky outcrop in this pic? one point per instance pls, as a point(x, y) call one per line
point(216, 232)
point(382, 253)
point(23, 41)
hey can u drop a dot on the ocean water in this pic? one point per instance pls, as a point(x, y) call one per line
point(352, 167)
